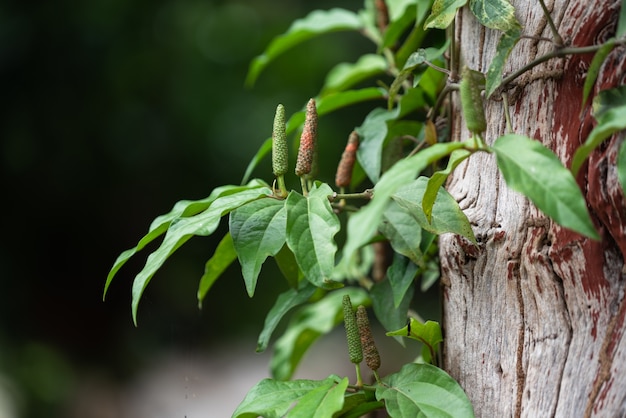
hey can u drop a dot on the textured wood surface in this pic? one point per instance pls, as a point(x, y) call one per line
point(534, 316)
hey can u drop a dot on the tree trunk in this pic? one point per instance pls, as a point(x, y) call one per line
point(534, 316)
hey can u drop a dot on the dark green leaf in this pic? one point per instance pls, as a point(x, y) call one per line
point(184, 208)
point(182, 229)
point(446, 216)
point(307, 325)
point(346, 75)
point(400, 274)
point(403, 232)
point(401, 15)
point(316, 23)
point(263, 151)
point(273, 399)
point(422, 390)
point(443, 13)
point(439, 178)
point(363, 224)
point(223, 257)
point(495, 14)
point(533, 170)
point(594, 68)
point(259, 231)
point(496, 69)
point(284, 303)
point(288, 266)
point(383, 297)
point(311, 227)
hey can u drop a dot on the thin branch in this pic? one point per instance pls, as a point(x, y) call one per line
point(557, 38)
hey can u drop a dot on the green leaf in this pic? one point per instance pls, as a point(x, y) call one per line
point(284, 303)
point(273, 399)
point(439, 178)
point(182, 229)
point(594, 68)
point(373, 132)
point(181, 209)
point(316, 23)
point(403, 232)
point(621, 166)
point(533, 170)
point(321, 402)
point(443, 13)
point(346, 75)
point(383, 296)
point(610, 112)
point(311, 227)
point(423, 390)
point(496, 69)
point(259, 231)
point(223, 257)
point(495, 14)
point(446, 217)
point(363, 224)
point(401, 15)
point(401, 274)
point(428, 333)
point(307, 325)
point(288, 266)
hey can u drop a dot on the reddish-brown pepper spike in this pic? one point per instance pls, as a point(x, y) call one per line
point(382, 15)
point(346, 164)
point(307, 140)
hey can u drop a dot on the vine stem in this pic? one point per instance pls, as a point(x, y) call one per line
point(557, 38)
point(560, 52)
point(366, 194)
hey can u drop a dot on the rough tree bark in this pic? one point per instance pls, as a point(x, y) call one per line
point(534, 316)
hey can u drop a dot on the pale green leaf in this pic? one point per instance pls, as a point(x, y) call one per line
point(346, 75)
point(184, 208)
point(446, 216)
point(428, 333)
point(373, 132)
point(443, 13)
point(532, 169)
point(258, 229)
point(495, 14)
point(503, 50)
point(594, 68)
point(272, 399)
point(311, 227)
point(316, 23)
point(307, 325)
point(621, 25)
point(403, 232)
point(321, 402)
point(223, 257)
point(439, 178)
point(284, 303)
point(402, 14)
point(363, 224)
point(610, 112)
point(423, 390)
point(182, 229)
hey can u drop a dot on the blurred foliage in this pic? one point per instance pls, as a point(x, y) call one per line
point(111, 111)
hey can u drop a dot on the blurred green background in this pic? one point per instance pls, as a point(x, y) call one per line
point(111, 112)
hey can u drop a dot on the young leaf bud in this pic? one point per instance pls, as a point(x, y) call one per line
point(370, 352)
point(279, 143)
point(352, 332)
point(307, 140)
point(346, 164)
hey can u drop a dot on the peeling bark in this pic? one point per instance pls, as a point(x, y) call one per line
point(534, 315)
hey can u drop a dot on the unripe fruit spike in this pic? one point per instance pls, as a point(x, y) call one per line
point(370, 352)
point(346, 164)
point(307, 140)
point(352, 332)
point(472, 101)
point(279, 143)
